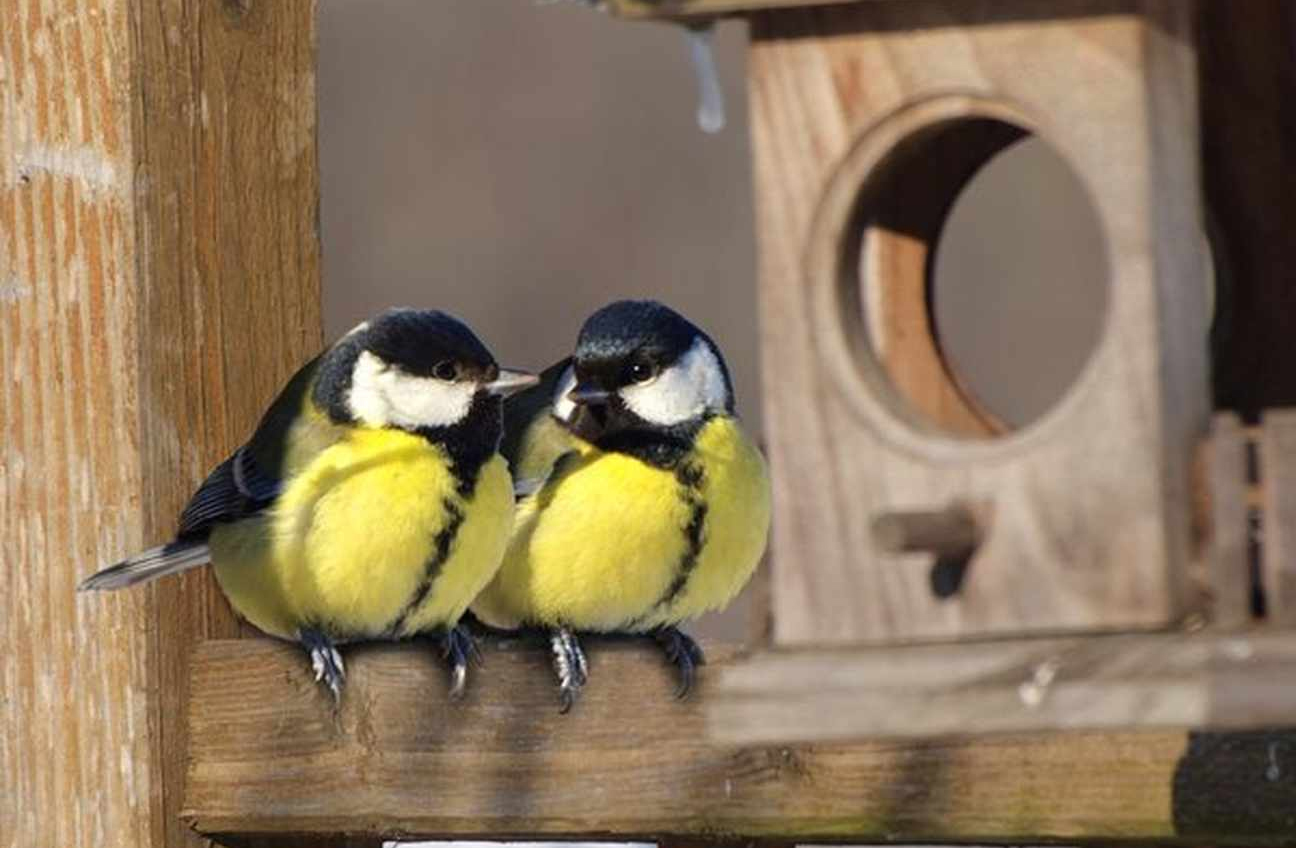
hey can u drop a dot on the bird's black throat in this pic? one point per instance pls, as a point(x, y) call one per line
point(470, 441)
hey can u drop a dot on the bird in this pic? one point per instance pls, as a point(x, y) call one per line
point(642, 503)
point(370, 503)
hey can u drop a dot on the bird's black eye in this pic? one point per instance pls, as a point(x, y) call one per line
point(445, 370)
point(641, 372)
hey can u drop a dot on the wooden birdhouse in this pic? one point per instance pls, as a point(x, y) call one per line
point(923, 550)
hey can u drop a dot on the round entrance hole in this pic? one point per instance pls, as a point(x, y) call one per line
point(983, 275)
point(1018, 286)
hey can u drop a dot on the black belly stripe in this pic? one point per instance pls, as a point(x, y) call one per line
point(690, 480)
point(440, 553)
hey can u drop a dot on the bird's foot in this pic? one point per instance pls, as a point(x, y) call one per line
point(326, 661)
point(683, 653)
point(569, 665)
point(460, 651)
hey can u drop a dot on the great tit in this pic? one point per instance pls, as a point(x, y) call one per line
point(371, 502)
point(642, 502)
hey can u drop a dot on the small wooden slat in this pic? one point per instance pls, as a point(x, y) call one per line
point(1228, 570)
point(269, 755)
point(1278, 482)
point(1205, 680)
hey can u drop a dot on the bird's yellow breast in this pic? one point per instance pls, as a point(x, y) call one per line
point(371, 538)
point(605, 544)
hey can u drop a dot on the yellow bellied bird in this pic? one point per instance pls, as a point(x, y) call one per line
point(371, 503)
point(642, 502)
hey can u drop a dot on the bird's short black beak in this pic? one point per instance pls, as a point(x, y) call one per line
point(585, 394)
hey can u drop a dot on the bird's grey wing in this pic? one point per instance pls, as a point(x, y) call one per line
point(251, 479)
point(525, 408)
point(525, 487)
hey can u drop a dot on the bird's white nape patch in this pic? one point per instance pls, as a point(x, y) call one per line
point(564, 407)
point(692, 386)
point(382, 395)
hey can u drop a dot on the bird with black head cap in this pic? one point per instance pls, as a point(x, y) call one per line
point(643, 504)
point(371, 502)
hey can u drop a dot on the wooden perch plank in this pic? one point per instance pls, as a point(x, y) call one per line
point(268, 755)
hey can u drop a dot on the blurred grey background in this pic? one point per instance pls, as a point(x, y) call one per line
point(520, 165)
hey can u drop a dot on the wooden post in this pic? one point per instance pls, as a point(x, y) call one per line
point(159, 279)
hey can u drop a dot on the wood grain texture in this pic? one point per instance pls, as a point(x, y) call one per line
point(158, 281)
point(1248, 72)
point(1090, 509)
point(225, 149)
point(1204, 680)
point(1228, 567)
point(270, 756)
point(75, 685)
point(1277, 440)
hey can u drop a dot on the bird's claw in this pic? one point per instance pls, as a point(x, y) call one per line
point(325, 661)
point(682, 652)
point(570, 667)
point(460, 650)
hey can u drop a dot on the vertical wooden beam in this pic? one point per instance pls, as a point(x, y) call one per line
point(159, 279)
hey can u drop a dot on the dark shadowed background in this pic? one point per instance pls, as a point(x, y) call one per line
point(520, 165)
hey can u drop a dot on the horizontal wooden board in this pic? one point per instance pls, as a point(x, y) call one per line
point(1165, 680)
point(269, 755)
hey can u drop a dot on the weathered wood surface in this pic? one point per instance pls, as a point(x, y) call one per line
point(270, 756)
point(1228, 560)
point(1278, 483)
point(75, 703)
point(158, 281)
point(1089, 508)
point(1206, 680)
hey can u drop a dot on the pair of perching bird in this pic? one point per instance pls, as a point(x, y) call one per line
point(373, 502)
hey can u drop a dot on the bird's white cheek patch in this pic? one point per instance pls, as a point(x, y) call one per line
point(692, 386)
point(384, 396)
point(564, 407)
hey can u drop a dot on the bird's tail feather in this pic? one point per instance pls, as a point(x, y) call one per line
point(155, 562)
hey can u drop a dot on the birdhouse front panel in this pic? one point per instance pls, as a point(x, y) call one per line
point(903, 510)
